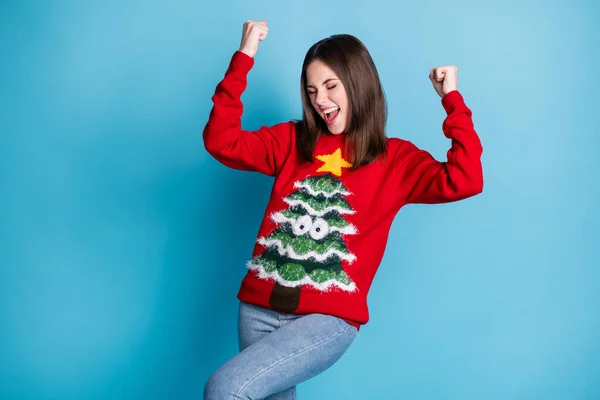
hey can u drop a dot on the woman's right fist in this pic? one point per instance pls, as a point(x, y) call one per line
point(252, 34)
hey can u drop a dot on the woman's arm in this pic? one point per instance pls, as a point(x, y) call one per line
point(263, 150)
point(426, 180)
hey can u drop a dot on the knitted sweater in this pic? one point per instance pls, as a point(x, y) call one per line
point(326, 227)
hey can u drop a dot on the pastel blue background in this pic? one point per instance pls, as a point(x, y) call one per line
point(123, 243)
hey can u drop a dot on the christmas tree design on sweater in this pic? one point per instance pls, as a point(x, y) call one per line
point(308, 247)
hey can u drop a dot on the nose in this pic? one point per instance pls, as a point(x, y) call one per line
point(321, 97)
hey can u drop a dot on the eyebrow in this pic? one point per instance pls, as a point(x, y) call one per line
point(324, 83)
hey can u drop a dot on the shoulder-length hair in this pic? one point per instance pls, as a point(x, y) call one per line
point(365, 130)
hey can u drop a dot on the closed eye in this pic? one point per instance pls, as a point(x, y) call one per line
point(314, 91)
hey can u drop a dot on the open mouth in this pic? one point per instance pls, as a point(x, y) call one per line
point(331, 115)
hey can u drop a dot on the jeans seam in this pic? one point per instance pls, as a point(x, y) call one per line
point(292, 356)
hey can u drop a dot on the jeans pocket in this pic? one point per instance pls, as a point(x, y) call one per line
point(345, 325)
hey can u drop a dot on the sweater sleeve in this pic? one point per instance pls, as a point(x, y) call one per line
point(425, 180)
point(263, 150)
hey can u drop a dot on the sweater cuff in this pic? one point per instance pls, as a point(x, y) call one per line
point(451, 100)
point(242, 62)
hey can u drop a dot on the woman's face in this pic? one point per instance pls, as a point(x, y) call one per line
point(327, 95)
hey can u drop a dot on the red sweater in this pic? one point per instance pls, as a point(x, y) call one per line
point(325, 229)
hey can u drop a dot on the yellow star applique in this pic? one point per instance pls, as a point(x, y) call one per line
point(333, 163)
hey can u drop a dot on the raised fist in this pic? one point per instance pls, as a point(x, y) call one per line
point(252, 34)
point(444, 79)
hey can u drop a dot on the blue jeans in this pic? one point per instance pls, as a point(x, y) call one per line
point(277, 352)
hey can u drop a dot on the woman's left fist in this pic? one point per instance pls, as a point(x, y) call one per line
point(444, 79)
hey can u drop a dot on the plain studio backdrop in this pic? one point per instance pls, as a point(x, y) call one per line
point(123, 243)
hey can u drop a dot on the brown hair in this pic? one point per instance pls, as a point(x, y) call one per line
point(349, 59)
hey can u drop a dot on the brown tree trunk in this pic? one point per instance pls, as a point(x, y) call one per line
point(285, 298)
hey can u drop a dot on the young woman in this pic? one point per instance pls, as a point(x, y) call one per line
point(339, 182)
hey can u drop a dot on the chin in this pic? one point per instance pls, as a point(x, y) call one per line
point(336, 130)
